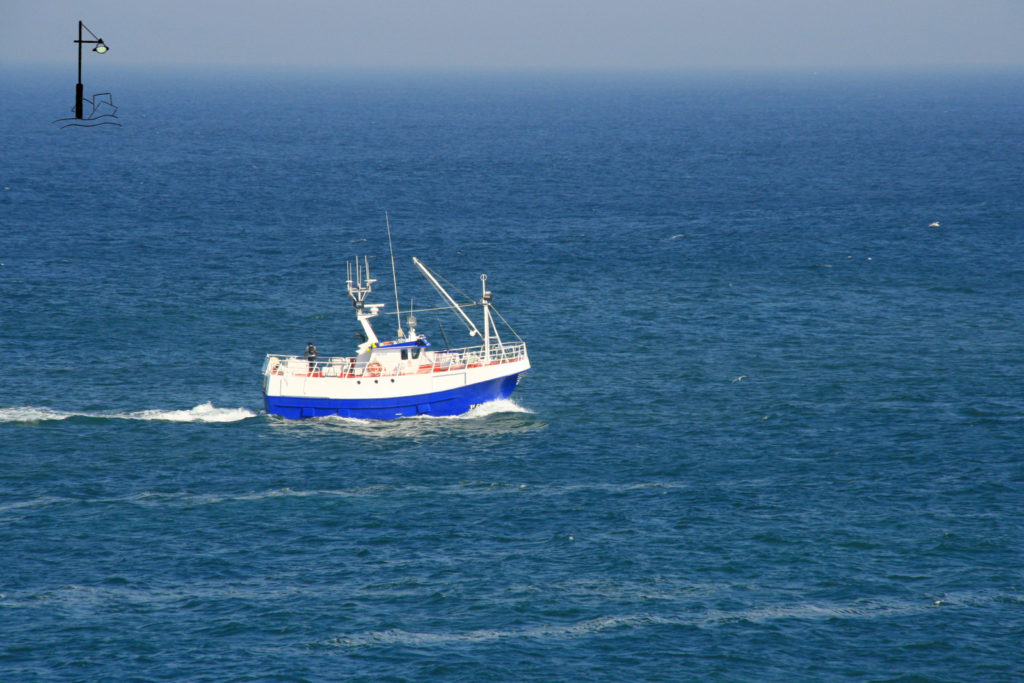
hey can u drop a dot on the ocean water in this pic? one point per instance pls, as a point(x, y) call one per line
point(773, 429)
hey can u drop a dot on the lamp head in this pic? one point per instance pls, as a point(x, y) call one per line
point(101, 47)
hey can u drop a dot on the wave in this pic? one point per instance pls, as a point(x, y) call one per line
point(185, 499)
point(205, 412)
point(869, 609)
point(424, 639)
point(492, 418)
point(505, 405)
point(461, 490)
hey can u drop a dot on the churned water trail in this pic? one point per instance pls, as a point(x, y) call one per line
point(205, 412)
point(494, 418)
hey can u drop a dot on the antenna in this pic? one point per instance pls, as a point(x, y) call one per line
point(394, 278)
point(358, 289)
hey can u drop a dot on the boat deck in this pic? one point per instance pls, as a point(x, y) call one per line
point(385, 362)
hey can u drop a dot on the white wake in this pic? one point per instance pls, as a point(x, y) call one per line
point(205, 412)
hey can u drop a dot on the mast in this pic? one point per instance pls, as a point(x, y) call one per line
point(437, 285)
point(486, 301)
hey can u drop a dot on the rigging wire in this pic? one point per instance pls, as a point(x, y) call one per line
point(394, 278)
point(441, 308)
point(495, 311)
point(466, 305)
point(447, 282)
point(447, 344)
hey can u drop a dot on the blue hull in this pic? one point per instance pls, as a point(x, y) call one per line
point(441, 403)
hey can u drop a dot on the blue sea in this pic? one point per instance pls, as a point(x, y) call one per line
point(774, 428)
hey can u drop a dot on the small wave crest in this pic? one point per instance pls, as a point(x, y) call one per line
point(495, 417)
point(859, 610)
point(505, 405)
point(205, 412)
point(478, 411)
point(430, 639)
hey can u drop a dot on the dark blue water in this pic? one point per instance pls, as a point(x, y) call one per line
point(773, 430)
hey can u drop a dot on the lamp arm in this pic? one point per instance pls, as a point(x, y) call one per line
point(98, 39)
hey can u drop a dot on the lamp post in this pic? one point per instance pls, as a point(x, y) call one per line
point(101, 47)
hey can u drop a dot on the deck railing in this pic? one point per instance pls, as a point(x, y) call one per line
point(429, 361)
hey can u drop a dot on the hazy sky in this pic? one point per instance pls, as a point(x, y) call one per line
point(555, 34)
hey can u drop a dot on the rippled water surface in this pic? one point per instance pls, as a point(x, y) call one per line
point(772, 431)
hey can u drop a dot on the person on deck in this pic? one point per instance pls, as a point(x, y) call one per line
point(311, 356)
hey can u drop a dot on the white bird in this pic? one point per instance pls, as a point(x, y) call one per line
point(934, 225)
point(739, 378)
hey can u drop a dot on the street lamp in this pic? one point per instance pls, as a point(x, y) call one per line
point(101, 47)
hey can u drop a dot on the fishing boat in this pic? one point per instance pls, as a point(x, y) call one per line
point(404, 377)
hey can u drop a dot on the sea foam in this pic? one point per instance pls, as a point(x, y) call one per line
point(205, 412)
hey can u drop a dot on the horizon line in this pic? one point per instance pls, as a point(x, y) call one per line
point(539, 69)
